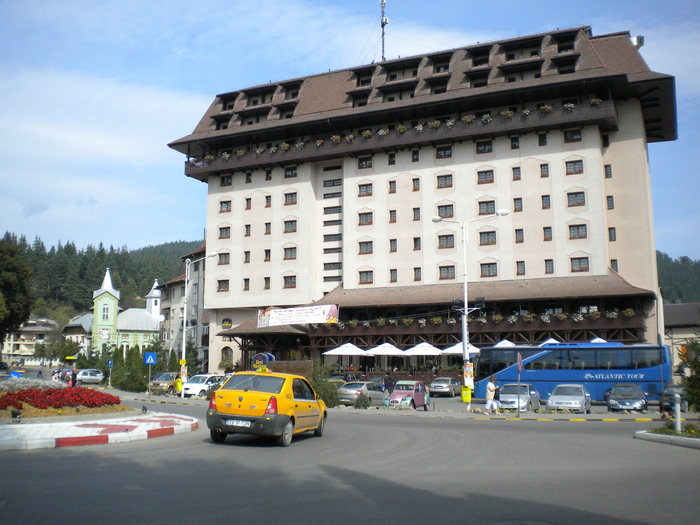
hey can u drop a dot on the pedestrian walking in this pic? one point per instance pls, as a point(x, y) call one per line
point(491, 402)
point(74, 378)
point(39, 374)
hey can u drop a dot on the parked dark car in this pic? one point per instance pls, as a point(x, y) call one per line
point(668, 399)
point(386, 383)
point(3, 365)
point(345, 376)
point(626, 396)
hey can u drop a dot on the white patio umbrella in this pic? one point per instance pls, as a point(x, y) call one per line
point(505, 342)
point(346, 349)
point(457, 350)
point(423, 349)
point(384, 349)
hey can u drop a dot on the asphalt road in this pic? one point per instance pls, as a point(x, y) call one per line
point(369, 467)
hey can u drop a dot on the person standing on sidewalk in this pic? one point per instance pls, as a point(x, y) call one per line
point(491, 402)
point(39, 374)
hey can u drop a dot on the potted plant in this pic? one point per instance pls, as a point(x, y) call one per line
point(353, 322)
point(497, 318)
point(507, 113)
point(529, 318)
point(240, 153)
point(560, 316)
point(208, 158)
point(350, 137)
point(383, 132)
point(486, 118)
point(284, 146)
point(594, 315)
point(408, 321)
point(435, 124)
point(401, 129)
point(569, 106)
point(546, 108)
point(596, 101)
point(225, 155)
point(628, 312)
point(299, 145)
point(419, 128)
point(436, 319)
point(381, 321)
point(366, 134)
point(335, 139)
point(468, 119)
point(526, 112)
point(259, 151)
point(450, 122)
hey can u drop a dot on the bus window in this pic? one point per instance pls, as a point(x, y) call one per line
point(549, 361)
point(501, 359)
point(581, 360)
point(609, 359)
point(646, 358)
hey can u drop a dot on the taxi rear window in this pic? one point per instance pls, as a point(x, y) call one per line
point(255, 383)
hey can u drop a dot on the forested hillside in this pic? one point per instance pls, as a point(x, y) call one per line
point(679, 279)
point(64, 277)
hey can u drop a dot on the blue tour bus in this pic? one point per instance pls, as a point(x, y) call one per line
point(597, 365)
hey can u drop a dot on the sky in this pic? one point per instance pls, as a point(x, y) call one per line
point(92, 92)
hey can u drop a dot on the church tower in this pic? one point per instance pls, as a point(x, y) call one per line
point(105, 303)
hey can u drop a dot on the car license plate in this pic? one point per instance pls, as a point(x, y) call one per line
point(237, 423)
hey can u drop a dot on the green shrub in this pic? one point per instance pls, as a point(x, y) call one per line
point(362, 401)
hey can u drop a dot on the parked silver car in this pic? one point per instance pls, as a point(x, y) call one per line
point(90, 376)
point(529, 397)
point(570, 397)
point(348, 393)
point(444, 386)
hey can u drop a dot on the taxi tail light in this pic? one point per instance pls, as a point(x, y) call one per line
point(212, 402)
point(271, 406)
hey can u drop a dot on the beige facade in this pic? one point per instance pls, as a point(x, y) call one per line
point(334, 179)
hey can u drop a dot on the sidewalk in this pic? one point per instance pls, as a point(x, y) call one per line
point(92, 430)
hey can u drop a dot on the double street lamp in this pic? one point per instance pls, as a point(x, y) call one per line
point(188, 263)
point(465, 241)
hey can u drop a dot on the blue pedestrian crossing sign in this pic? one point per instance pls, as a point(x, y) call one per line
point(149, 358)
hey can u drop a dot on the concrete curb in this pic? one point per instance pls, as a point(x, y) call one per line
point(668, 440)
point(26, 436)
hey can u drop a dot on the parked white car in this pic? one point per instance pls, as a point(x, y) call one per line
point(198, 385)
point(570, 397)
point(90, 376)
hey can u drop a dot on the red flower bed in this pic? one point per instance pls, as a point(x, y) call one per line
point(57, 398)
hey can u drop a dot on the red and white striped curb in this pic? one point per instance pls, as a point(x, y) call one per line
point(25, 436)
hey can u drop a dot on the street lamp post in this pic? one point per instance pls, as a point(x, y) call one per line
point(188, 262)
point(465, 312)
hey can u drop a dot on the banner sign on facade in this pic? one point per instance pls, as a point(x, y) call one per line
point(327, 313)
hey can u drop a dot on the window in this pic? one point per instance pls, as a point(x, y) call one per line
point(416, 184)
point(328, 210)
point(572, 135)
point(416, 214)
point(364, 190)
point(290, 198)
point(266, 283)
point(417, 274)
point(606, 141)
point(332, 182)
point(443, 152)
point(333, 266)
point(367, 277)
point(447, 272)
point(612, 234)
point(487, 238)
point(226, 180)
point(268, 174)
point(544, 170)
point(611, 202)
point(446, 241)
point(332, 278)
point(392, 215)
point(542, 139)
point(364, 163)
point(267, 256)
point(489, 270)
point(577, 198)
point(574, 167)
point(290, 226)
point(518, 204)
point(608, 171)
point(246, 257)
point(224, 206)
point(484, 146)
point(248, 178)
point(487, 208)
point(268, 228)
point(290, 253)
point(520, 268)
point(519, 236)
point(268, 201)
point(366, 247)
point(332, 250)
point(224, 258)
point(246, 284)
point(222, 285)
point(446, 211)
point(225, 232)
point(392, 186)
point(484, 177)
point(415, 155)
point(290, 172)
point(444, 181)
point(333, 195)
point(516, 173)
point(549, 266)
point(365, 219)
point(393, 275)
point(391, 159)
point(613, 264)
point(105, 312)
point(546, 202)
point(416, 243)
point(248, 202)
point(515, 143)
point(290, 281)
point(393, 245)
point(336, 222)
point(579, 264)
point(578, 231)
point(547, 231)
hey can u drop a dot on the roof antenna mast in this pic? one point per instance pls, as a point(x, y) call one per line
point(385, 21)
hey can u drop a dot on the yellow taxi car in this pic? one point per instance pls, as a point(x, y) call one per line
point(265, 404)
